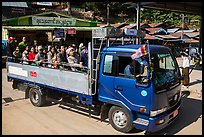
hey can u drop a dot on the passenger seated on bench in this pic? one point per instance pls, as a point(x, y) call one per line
point(17, 54)
point(61, 56)
point(50, 55)
point(31, 55)
point(72, 60)
point(40, 58)
point(25, 55)
point(54, 60)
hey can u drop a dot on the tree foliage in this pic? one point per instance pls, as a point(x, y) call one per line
point(171, 19)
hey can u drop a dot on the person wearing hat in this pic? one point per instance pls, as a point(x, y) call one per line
point(67, 52)
point(72, 60)
point(185, 68)
point(11, 46)
point(40, 58)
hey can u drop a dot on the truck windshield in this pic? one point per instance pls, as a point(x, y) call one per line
point(165, 70)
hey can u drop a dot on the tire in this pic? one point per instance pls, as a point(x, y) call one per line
point(36, 97)
point(14, 85)
point(119, 119)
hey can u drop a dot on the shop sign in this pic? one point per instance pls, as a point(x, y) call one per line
point(71, 31)
point(53, 21)
point(59, 33)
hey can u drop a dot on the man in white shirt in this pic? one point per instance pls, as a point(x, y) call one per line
point(185, 69)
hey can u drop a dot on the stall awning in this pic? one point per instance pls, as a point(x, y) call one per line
point(47, 28)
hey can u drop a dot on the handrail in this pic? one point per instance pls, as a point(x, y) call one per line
point(63, 64)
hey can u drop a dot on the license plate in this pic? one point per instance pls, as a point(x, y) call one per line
point(175, 113)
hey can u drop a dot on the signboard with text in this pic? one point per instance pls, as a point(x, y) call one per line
point(53, 21)
point(59, 33)
point(71, 31)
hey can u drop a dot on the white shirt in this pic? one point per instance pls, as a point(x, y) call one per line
point(186, 61)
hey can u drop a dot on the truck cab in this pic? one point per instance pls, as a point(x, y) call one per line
point(149, 102)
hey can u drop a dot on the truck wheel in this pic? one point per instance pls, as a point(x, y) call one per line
point(14, 85)
point(36, 97)
point(119, 119)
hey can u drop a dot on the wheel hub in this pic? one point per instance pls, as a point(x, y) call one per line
point(120, 119)
point(35, 97)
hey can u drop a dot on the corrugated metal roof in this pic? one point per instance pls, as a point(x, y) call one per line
point(119, 25)
point(101, 25)
point(177, 34)
point(190, 41)
point(130, 26)
point(197, 37)
point(192, 34)
point(152, 30)
point(149, 37)
point(173, 30)
point(166, 36)
point(153, 25)
point(15, 4)
point(186, 31)
point(144, 25)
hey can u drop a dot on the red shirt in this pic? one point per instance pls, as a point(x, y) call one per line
point(31, 56)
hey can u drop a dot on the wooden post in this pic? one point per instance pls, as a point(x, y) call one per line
point(138, 22)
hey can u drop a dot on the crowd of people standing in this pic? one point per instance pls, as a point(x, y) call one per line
point(57, 56)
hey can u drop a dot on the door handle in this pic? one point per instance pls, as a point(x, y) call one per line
point(118, 88)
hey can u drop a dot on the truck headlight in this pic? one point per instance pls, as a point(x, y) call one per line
point(156, 112)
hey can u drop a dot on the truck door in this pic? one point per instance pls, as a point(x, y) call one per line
point(125, 85)
point(106, 77)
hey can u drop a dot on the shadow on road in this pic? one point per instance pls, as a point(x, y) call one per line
point(191, 111)
point(198, 67)
point(80, 111)
point(195, 82)
point(9, 99)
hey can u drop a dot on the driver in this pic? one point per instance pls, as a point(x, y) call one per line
point(129, 69)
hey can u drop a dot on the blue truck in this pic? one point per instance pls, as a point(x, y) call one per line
point(150, 101)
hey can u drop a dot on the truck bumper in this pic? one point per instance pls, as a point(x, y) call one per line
point(151, 124)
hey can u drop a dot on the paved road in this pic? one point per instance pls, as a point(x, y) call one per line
point(20, 117)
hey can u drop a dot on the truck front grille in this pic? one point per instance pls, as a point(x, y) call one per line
point(173, 100)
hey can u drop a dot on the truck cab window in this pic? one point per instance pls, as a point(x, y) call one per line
point(133, 69)
point(127, 67)
point(165, 71)
point(108, 63)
